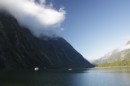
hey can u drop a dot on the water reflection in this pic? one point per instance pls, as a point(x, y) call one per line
point(92, 77)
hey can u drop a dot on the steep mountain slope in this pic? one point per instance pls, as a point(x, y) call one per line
point(19, 49)
point(117, 57)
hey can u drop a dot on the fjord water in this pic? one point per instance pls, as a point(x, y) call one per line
point(91, 77)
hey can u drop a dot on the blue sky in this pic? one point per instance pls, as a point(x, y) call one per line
point(95, 27)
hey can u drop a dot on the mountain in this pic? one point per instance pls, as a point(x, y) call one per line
point(117, 57)
point(19, 49)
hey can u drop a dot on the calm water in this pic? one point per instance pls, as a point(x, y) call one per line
point(91, 77)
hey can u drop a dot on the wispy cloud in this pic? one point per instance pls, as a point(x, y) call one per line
point(39, 18)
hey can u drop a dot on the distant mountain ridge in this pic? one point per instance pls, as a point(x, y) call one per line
point(117, 57)
point(19, 49)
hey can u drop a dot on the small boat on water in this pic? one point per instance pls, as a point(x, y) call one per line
point(69, 69)
point(36, 68)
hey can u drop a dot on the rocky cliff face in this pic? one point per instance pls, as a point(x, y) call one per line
point(19, 49)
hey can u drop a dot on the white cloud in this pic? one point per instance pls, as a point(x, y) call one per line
point(40, 18)
point(126, 43)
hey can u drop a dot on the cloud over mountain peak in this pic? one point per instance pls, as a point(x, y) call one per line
point(39, 18)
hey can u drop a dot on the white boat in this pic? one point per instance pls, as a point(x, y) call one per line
point(70, 69)
point(36, 68)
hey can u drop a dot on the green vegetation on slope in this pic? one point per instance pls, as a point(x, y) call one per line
point(116, 63)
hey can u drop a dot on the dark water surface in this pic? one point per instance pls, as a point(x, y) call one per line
point(91, 77)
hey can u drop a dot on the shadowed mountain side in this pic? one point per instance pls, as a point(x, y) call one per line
point(19, 49)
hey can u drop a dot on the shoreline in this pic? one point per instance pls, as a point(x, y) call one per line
point(113, 67)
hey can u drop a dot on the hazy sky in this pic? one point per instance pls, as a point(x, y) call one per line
point(95, 27)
